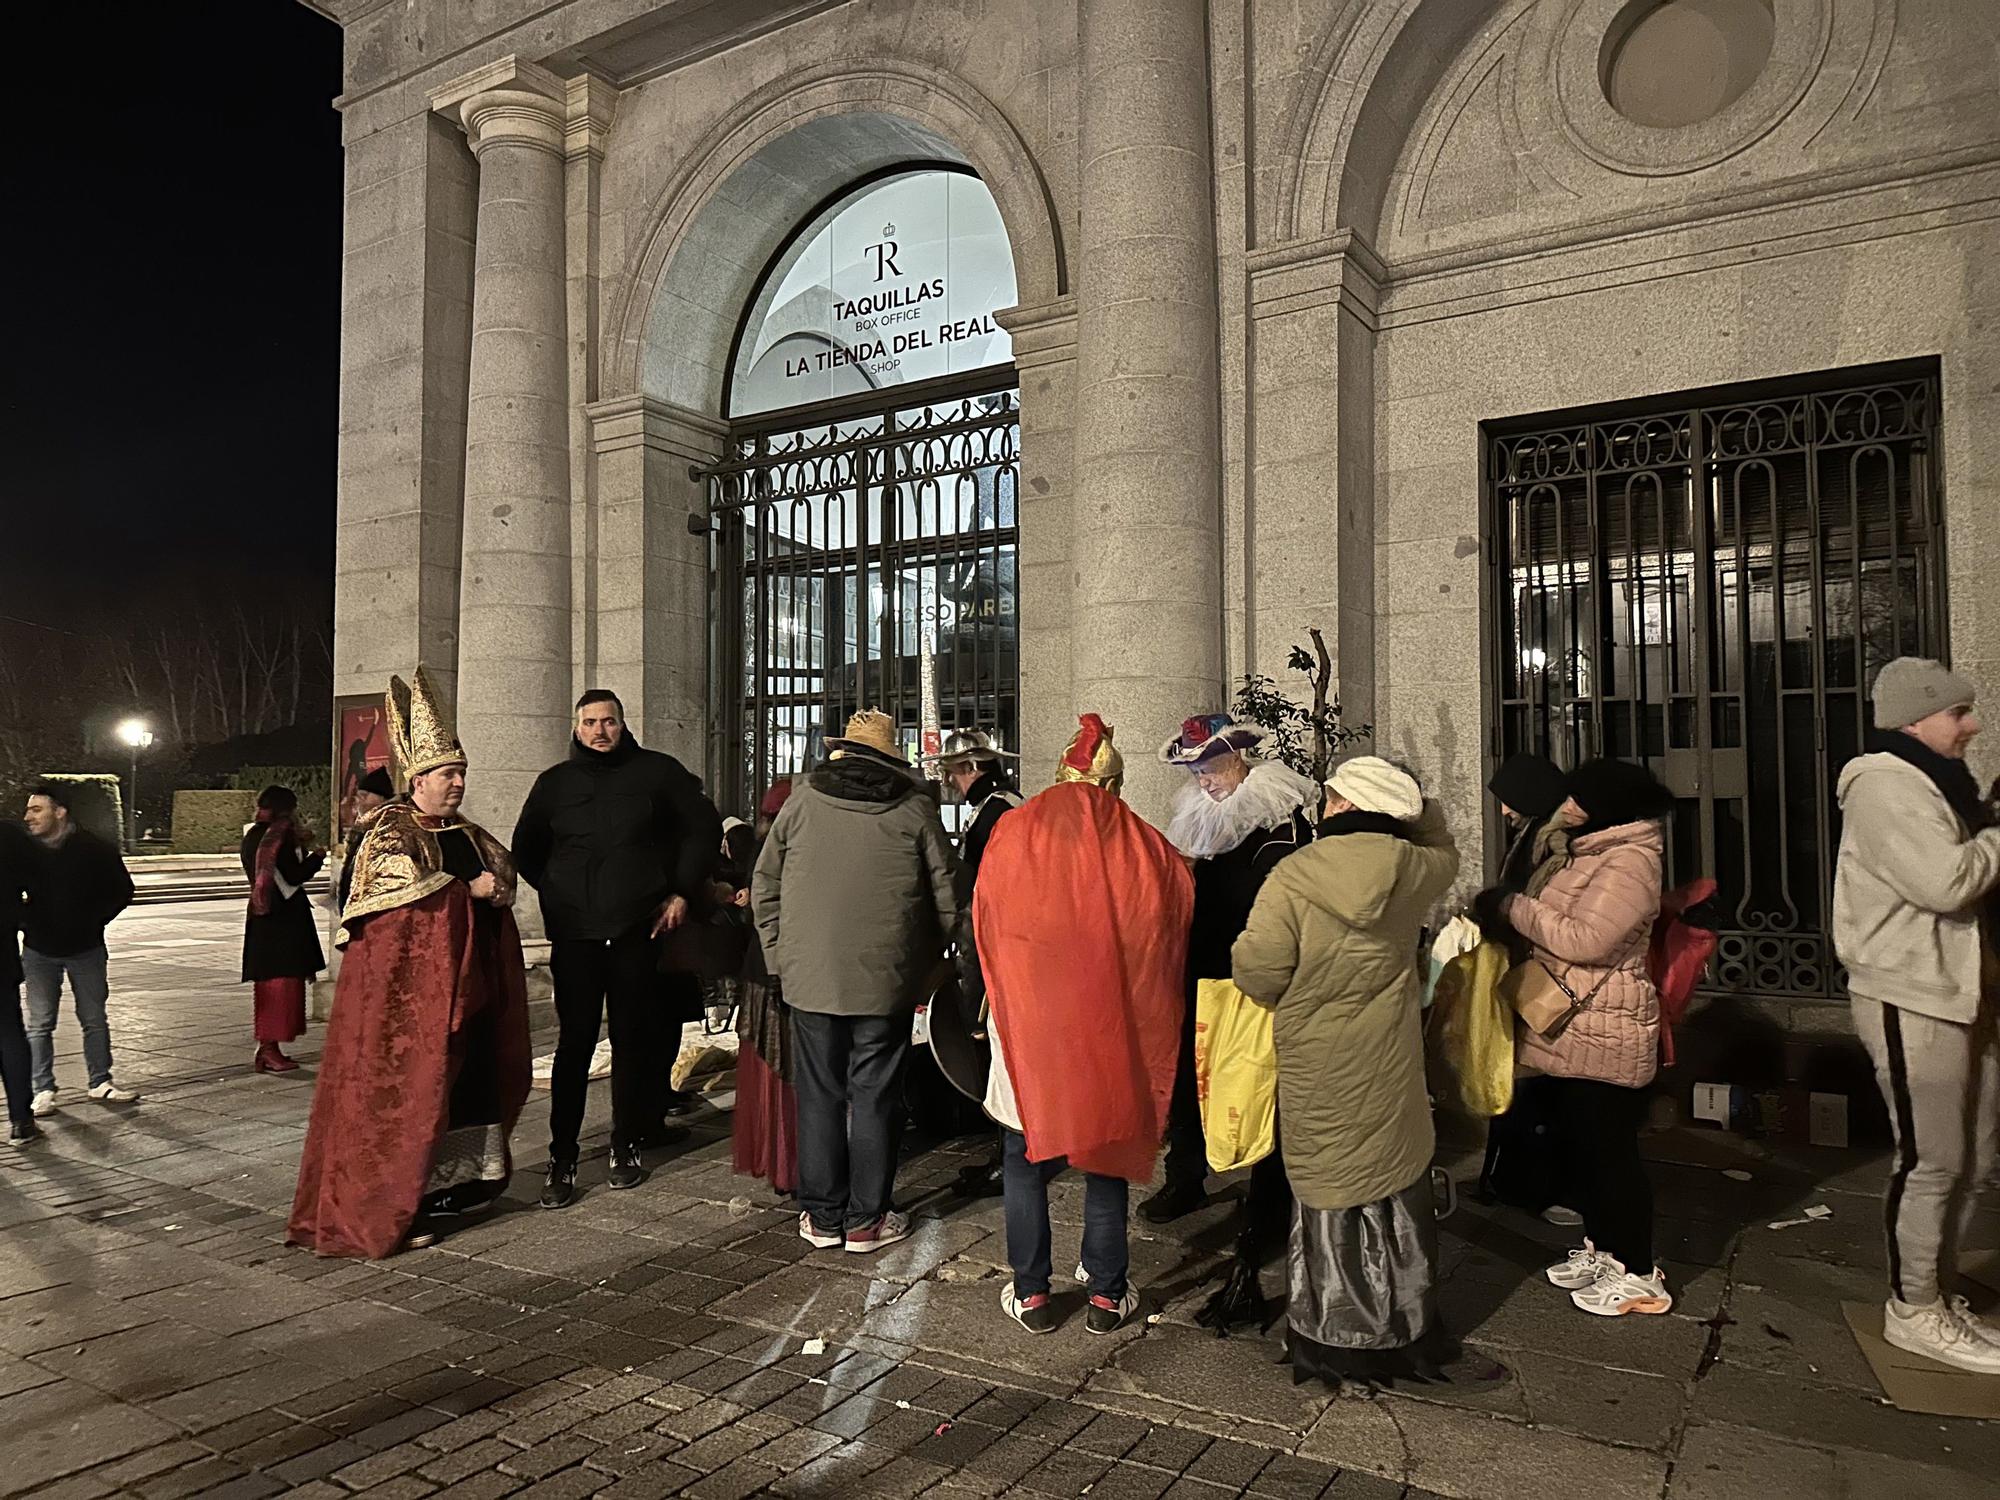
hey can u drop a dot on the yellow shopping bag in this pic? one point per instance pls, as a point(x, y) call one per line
point(1469, 1035)
point(1236, 1072)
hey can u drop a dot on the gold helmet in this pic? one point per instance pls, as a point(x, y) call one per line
point(1091, 757)
point(420, 728)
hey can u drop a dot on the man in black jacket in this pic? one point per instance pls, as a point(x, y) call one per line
point(76, 884)
point(16, 850)
point(619, 843)
point(1236, 817)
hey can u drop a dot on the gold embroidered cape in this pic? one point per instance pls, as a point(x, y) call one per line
point(399, 863)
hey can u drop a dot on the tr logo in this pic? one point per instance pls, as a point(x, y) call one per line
point(885, 255)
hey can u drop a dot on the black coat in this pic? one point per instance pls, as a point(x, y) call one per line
point(995, 798)
point(1225, 888)
point(74, 891)
point(284, 942)
point(606, 837)
point(17, 851)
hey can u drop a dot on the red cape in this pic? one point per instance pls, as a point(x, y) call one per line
point(424, 991)
point(1081, 914)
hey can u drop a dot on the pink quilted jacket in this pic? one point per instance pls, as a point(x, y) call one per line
point(1594, 918)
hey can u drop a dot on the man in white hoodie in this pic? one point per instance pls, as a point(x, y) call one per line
point(1919, 855)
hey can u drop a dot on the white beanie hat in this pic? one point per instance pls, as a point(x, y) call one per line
point(1374, 785)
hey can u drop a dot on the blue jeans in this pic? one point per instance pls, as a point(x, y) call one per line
point(1105, 1256)
point(89, 987)
point(847, 1073)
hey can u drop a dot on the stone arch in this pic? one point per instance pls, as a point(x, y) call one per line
point(739, 188)
point(1377, 69)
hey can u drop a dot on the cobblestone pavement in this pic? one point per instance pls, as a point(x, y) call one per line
point(158, 1339)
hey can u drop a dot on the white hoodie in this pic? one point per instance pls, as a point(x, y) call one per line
point(1907, 891)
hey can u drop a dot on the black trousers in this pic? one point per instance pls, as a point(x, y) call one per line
point(1187, 1146)
point(15, 1066)
point(848, 1073)
point(1597, 1129)
point(593, 977)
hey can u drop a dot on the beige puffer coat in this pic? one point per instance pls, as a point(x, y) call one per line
point(1332, 945)
point(1593, 921)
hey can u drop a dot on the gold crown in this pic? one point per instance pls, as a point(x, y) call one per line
point(1091, 757)
point(420, 730)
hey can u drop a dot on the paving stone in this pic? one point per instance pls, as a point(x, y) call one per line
point(1171, 1448)
point(1225, 1462)
point(463, 1462)
point(65, 1427)
point(151, 1461)
point(320, 1462)
point(1843, 1420)
point(570, 1484)
point(190, 1479)
point(281, 1445)
point(653, 1481)
point(488, 1486)
point(745, 1476)
point(382, 1466)
point(1727, 1463)
point(805, 1301)
point(545, 1458)
point(1609, 1405)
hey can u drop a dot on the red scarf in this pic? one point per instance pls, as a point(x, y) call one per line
point(265, 897)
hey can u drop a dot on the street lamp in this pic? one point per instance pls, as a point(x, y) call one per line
point(137, 736)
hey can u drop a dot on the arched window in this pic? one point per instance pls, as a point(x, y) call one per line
point(864, 519)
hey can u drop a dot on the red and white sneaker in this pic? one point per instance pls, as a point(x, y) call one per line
point(1618, 1292)
point(819, 1239)
point(1036, 1314)
point(890, 1229)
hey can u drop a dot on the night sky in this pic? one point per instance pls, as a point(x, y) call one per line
point(172, 275)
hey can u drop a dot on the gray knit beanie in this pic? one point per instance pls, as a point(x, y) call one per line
point(1911, 688)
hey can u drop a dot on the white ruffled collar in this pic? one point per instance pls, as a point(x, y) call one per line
point(1202, 828)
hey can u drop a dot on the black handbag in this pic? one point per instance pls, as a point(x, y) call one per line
point(709, 946)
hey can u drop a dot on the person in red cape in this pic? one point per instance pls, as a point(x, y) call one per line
point(426, 1062)
point(1081, 916)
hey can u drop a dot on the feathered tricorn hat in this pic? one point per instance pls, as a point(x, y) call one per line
point(420, 729)
point(1091, 756)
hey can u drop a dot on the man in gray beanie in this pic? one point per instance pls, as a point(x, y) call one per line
point(1919, 855)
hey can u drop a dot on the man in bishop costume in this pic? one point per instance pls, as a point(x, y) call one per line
point(426, 1063)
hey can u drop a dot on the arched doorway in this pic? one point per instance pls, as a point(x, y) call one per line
point(864, 520)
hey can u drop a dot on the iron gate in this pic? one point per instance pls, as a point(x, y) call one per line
point(864, 556)
point(1709, 584)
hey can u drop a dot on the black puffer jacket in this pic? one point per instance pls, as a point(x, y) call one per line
point(74, 891)
point(17, 848)
point(607, 836)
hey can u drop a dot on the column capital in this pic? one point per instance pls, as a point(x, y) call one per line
point(591, 104)
point(510, 100)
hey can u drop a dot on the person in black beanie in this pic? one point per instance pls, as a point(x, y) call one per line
point(372, 793)
point(1520, 1164)
point(620, 844)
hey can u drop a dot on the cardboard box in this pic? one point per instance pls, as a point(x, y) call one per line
point(1711, 1102)
point(1827, 1120)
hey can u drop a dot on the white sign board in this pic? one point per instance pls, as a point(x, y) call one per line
point(898, 282)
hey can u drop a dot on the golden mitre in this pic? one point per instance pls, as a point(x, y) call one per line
point(1092, 757)
point(421, 733)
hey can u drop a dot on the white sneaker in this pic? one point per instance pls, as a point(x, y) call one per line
point(1618, 1292)
point(1562, 1218)
point(891, 1229)
point(819, 1239)
point(44, 1104)
point(1982, 1330)
point(1581, 1269)
point(1936, 1333)
point(108, 1092)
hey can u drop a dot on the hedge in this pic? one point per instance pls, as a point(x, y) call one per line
point(313, 785)
point(212, 822)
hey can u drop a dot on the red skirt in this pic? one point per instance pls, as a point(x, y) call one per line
point(765, 1132)
point(281, 1009)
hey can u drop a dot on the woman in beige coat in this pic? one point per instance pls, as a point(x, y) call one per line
point(1589, 918)
point(1332, 946)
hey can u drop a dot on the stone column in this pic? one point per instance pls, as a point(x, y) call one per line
point(1146, 643)
point(514, 592)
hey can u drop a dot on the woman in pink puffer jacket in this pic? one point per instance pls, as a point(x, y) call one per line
point(1589, 915)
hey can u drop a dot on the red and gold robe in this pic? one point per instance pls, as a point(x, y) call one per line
point(1081, 916)
point(426, 1064)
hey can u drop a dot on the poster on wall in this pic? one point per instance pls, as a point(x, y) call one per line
point(898, 282)
point(361, 745)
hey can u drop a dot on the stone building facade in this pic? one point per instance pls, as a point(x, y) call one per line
point(1606, 374)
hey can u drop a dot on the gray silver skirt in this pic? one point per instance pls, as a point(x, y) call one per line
point(1366, 1278)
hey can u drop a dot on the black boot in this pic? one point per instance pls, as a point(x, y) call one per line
point(1173, 1201)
